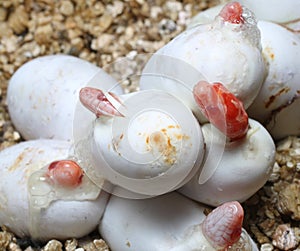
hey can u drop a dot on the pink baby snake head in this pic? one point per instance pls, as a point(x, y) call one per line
point(65, 173)
point(98, 102)
point(225, 111)
point(232, 13)
point(223, 226)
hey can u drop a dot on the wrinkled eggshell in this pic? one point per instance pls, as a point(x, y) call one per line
point(281, 50)
point(294, 27)
point(243, 168)
point(62, 219)
point(43, 93)
point(286, 120)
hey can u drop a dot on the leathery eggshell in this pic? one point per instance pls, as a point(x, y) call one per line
point(153, 149)
point(206, 16)
point(219, 51)
point(286, 120)
point(276, 102)
point(209, 14)
point(167, 222)
point(294, 27)
point(61, 219)
point(274, 10)
point(281, 50)
point(42, 94)
point(242, 169)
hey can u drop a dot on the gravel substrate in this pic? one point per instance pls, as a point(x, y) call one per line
point(101, 32)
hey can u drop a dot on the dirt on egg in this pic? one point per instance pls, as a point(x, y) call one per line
point(102, 32)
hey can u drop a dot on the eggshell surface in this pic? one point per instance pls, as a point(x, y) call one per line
point(61, 219)
point(281, 50)
point(274, 10)
point(167, 222)
point(294, 27)
point(150, 219)
point(225, 53)
point(242, 169)
point(286, 120)
point(151, 150)
point(206, 16)
point(43, 93)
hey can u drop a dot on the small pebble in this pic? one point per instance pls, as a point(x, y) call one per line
point(266, 247)
point(172, 9)
point(98, 8)
point(5, 239)
point(284, 238)
point(43, 34)
point(14, 247)
point(100, 245)
point(105, 21)
point(18, 20)
point(116, 9)
point(16, 136)
point(167, 26)
point(53, 245)
point(289, 201)
point(70, 245)
point(3, 14)
point(66, 8)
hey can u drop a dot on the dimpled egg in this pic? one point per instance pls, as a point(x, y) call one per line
point(43, 93)
point(172, 222)
point(281, 50)
point(224, 50)
point(242, 166)
point(53, 217)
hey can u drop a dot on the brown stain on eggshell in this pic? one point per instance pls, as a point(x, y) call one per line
point(268, 52)
point(272, 98)
point(277, 111)
point(182, 137)
point(25, 162)
point(21, 157)
point(162, 142)
point(147, 140)
point(159, 141)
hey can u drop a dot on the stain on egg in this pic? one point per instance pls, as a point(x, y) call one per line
point(19, 192)
point(285, 121)
point(281, 50)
